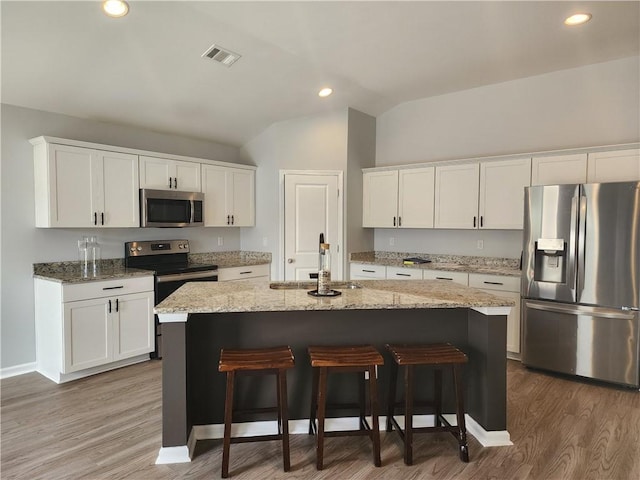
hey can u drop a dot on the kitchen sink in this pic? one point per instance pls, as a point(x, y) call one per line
point(311, 285)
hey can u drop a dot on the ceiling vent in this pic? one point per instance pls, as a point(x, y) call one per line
point(221, 55)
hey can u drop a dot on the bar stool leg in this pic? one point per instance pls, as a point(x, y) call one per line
point(408, 415)
point(375, 427)
point(437, 396)
point(322, 404)
point(283, 418)
point(228, 417)
point(391, 401)
point(314, 399)
point(462, 429)
point(362, 402)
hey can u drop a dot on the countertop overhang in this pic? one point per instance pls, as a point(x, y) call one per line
point(258, 296)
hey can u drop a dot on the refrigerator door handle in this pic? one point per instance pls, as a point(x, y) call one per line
point(582, 234)
point(583, 310)
point(572, 247)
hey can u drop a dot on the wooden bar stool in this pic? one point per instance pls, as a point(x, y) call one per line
point(437, 356)
point(330, 359)
point(273, 361)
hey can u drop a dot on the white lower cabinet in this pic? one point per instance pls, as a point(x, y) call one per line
point(87, 328)
point(365, 271)
point(401, 273)
point(506, 287)
point(242, 273)
point(456, 277)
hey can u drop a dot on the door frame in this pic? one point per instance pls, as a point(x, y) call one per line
point(341, 196)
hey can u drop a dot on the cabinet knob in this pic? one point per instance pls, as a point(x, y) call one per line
point(290, 260)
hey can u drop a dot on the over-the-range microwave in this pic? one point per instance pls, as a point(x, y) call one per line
point(167, 208)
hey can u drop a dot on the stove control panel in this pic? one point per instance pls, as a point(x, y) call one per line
point(155, 247)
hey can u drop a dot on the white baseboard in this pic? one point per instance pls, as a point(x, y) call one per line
point(59, 377)
point(17, 370)
point(184, 453)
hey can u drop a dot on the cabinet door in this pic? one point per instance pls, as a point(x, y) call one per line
point(380, 199)
point(87, 337)
point(156, 173)
point(416, 197)
point(502, 193)
point(120, 196)
point(559, 169)
point(243, 198)
point(214, 187)
point(456, 203)
point(71, 187)
point(615, 166)
point(187, 176)
point(133, 325)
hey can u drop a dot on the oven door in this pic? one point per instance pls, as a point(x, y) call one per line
point(166, 284)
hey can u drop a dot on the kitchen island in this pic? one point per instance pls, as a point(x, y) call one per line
point(201, 318)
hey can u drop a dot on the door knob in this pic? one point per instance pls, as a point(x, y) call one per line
point(289, 260)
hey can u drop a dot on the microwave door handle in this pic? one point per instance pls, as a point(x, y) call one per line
point(193, 208)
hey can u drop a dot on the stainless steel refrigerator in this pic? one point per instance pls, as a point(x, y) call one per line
point(581, 280)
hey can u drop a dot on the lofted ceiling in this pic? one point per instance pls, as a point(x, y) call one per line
point(146, 69)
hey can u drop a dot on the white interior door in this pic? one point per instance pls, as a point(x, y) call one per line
point(311, 206)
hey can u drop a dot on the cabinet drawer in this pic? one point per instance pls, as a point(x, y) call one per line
point(363, 270)
point(457, 277)
point(107, 288)
point(494, 282)
point(400, 273)
point(240, 273)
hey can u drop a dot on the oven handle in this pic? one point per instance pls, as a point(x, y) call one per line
point(186, 276)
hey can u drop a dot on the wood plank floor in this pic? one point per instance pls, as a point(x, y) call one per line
point(109, 426)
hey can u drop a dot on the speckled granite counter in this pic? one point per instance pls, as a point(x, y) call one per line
point(257, 296)
point(200, 319)
point(449, 263)
point(69, 272)
point(231, 259)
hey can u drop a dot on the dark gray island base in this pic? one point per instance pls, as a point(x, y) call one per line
point(193, 389)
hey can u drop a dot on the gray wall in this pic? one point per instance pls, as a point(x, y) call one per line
point(594, 105)
point(22, 244)
point(309, 143)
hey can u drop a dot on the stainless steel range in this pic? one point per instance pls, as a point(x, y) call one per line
point(169, 259)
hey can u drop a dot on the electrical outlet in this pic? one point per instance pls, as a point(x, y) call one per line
point(392, 241)
point(265, 241)
point(220, 241)
point(480, 244)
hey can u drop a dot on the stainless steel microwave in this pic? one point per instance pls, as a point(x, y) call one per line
point(168, 208)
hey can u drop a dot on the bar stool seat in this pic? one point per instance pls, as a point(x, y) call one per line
point(330, 359)
point(438, 356)
point(275, 361)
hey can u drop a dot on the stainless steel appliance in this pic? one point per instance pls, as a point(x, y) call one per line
point(168, 208)
point(169, 259)
point(581, 280)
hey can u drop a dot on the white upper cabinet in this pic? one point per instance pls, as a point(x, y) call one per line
point(456, 201)
point(416, 197)
point(399, 198)
point(166, 174)
point(614, 166)
point(229, 196)
point(559, 169)
point(83, 187)
point(380, 199)
point(502, 186)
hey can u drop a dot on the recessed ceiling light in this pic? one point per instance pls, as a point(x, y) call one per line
point(577, 19)
point(115, 8)
point(325, 92)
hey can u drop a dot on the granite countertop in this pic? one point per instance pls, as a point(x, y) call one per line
point(231, 259)
point(449, 263)
point(257, 296)
point(69, 272)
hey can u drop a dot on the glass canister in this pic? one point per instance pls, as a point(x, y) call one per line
point(324, 270)
point(83, 257)
point(94, 255)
